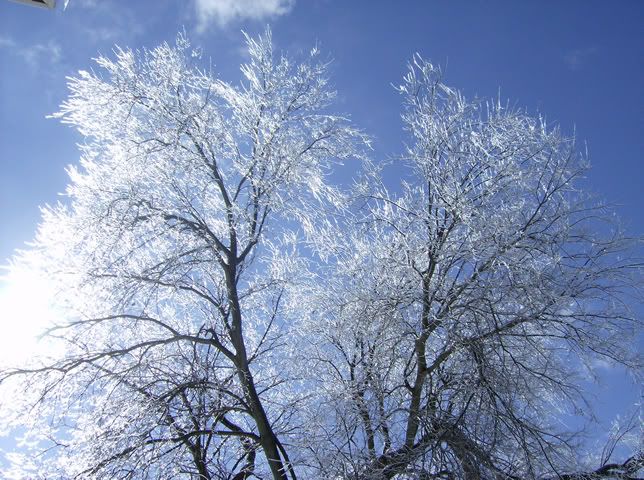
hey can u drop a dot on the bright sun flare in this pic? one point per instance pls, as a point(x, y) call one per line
point(25, 312)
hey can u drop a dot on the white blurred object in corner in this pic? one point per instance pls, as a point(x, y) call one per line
point(41, 3)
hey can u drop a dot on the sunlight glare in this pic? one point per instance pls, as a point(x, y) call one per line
point(26, 310)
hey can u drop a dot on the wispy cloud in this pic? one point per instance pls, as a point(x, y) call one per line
point(42, 53)
point(106, 21)
point(223, 12)
point(7, 42)
point(576, 58)
point(35, 55)
point(85, 3)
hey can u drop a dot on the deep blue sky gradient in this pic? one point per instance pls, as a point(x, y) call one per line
point(578, 63)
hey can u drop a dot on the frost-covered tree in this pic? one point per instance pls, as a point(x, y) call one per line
point(172, 259)
point(460, 314)
point(229, 314)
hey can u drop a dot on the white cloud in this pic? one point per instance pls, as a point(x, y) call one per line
point(41, 53)
point(84, 3)
point(575, 59)
point(34, 55)
point(223, 12)
point(7, 42)
point(107, 22)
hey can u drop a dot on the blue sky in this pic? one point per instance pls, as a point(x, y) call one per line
point(579, 63)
